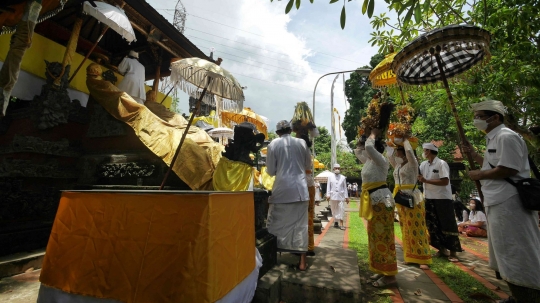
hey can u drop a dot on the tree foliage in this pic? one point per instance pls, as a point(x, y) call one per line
point(359, 92)
point(323, 141)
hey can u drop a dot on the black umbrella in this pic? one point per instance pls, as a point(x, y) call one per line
point(440, 54)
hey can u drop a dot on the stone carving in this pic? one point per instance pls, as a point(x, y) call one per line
point(109, 76)
point(245, 141)
point(29, 169)
point(102, 124)
point(122, 170)
point(40, 203)
point(27, 144)
point(78, 113)
point(53, 102)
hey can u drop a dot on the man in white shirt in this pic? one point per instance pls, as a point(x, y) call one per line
point(440, 220)
point(134, 76)
point(513, 234)
point(337, 193)
point(289, 160)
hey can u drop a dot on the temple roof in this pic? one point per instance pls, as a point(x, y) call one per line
point(157, 39)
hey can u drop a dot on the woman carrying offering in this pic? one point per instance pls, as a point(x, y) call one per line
point(412, 220)
point(377, 206)
point(477, 224)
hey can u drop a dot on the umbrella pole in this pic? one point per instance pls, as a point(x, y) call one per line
point(170, 90)
point(458, 121)
point(88, 54)
point(198, 106)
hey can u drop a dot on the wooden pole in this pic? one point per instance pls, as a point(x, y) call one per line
point(195, 112)
point(89, 53)
point(155, 85)
point(402, 95)
point(461, 132)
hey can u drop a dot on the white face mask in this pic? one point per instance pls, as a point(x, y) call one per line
point(336, 171)
point(480, 124)
point(399, 160)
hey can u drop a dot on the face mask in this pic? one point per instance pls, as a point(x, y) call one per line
point(480, 124)
point(336, 171)
point(399, 160)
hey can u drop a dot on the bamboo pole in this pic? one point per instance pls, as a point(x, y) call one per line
point(89, 53)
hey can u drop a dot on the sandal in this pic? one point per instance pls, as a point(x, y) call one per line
point(382, 284)
point(439, 254)
point(342, 228)
point(453, 259)
point(375, 276)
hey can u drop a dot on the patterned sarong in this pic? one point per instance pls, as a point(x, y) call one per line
point(311, 215)
point(382, 247)
point(414, 230)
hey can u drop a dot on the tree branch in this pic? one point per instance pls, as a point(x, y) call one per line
point(454, 11)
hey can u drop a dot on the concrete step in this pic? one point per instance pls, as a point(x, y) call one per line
point(332, 276)
point(19, 263)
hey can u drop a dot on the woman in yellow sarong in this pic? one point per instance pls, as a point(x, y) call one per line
point(411, 220)
point(377, 206)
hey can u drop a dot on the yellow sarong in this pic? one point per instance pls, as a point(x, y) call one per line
point(266, 179)
point(415, 236)
point(366, 210)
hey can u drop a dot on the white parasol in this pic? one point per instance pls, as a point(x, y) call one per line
point(192, 74)
point(114, 18)
point(221, 132)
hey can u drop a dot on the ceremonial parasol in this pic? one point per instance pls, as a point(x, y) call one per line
point(229, 118)
point(221, 132)
point(114, 18)
point(440, 54)
point(190, 75)
point(383, 75)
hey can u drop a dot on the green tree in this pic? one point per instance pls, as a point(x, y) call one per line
point(359, 93)
point(323, 141)
point(348, 162)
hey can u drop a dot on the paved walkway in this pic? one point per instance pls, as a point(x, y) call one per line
point(417, 285)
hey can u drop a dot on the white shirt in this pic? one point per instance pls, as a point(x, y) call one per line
point(337, 187)
point(288, 159)
point(134, 76)
point(438, 169)
point(478, 216)
point(504, 148)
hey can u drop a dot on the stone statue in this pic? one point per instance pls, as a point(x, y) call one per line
point(245, 140)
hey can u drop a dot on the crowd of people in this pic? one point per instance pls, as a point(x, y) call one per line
point(434, 218)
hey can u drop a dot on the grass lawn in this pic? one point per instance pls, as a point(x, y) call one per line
point(459, 281)
point(358, 240)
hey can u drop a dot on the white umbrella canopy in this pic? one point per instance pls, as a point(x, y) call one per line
point(192, 74)
point(221, 132)
point(112, 16)
point(323, 177)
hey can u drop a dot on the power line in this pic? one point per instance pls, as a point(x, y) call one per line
point(281, 54)
point(333, 68)
point(165, 9)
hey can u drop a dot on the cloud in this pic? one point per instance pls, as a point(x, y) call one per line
point(279, 57)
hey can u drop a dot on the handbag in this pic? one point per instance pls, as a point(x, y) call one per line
point(528, 189)
point(403, 198)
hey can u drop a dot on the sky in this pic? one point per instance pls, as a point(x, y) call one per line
point(279, 57)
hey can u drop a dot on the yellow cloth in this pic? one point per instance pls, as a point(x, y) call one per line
point(232, 175)
point(366, 211)
point(194, 164)
point(256, 177)
point(381, 242)
point(207, 119)
point(151, 247)
point(266, 179)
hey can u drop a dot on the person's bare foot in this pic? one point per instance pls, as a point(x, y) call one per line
point(423, 266)
point(385, 281)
